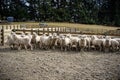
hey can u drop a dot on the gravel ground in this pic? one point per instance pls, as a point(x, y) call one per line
point(57, 65)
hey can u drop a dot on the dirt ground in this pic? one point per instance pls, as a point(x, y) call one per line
point(57, 65)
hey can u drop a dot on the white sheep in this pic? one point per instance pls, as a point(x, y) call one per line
point(118, 39)
point(22, 41)
point(114, 44)
point(97, 43)
point(10, 41)
point(65, 43)
point(46, 41)
point(74, 41)
point(36, 39)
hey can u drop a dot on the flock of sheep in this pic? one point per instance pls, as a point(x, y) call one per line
point(63, 42)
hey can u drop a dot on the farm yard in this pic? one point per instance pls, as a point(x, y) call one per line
point(59, 39)
point(56, 64)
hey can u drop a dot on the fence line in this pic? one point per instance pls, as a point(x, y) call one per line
point(6, 29)
point(64, 30)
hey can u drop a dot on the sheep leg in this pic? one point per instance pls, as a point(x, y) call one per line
point(76, 48)
point(65, 49)
point(53, 47)
point(11, 47)
point(40, 45)
point(61, 48)
point(89, 47)
point(81, 49)
point(19, 47)
point(25, 47)
point(31, 47)
point(100, 48)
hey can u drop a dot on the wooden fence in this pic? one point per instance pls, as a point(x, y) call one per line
point(64, 30)
point(6, 29)
point(10, 27)
point(48, 30)
point(1, 36)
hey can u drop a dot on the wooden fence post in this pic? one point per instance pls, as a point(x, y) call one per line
point(65, 30)
point(70, 30)
point(31, 31)
point(55, 29)
point(6, 26)
point(76, 30)
point(13, 26)
point(23, 30)
point(43, 30)
point(2, 35)
point(10, 27)
point(48, 30)
point(17, 26)
point(38, 32)
point(52, 30)
point(60, 29)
